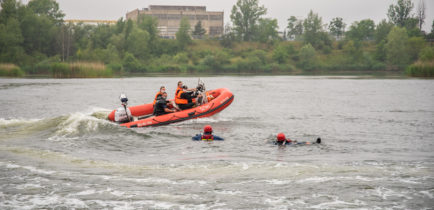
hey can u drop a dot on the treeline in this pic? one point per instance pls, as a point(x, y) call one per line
point(34, 39)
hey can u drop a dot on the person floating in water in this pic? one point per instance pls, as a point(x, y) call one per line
point(207, 135)
point(282, 140)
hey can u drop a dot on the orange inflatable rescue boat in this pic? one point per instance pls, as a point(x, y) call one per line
point(218, 100)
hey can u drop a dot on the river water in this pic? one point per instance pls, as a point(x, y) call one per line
point(57, 150)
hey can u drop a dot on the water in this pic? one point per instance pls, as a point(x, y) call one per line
point(58, 151)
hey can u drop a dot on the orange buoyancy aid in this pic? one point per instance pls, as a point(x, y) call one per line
point(207, 137)
point(209, 97)
point(177, 90)
point(178, 99)
point(156, 96)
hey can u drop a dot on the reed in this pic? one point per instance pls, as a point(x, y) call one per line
point(421, 69)
point(80, 70)
point(10, 70)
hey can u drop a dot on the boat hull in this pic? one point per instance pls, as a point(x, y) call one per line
point(222, 99)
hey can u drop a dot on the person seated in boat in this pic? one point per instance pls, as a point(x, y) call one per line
point(161, 106)
point(207, 135)
point(184, 97)
point(123, 114)
point(159, 93)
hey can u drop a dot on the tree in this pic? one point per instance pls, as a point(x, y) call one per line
point(183, 35)
point(308, 59)
point(267, 30)
point(313, 32)
point(421, 13)
point(280, 54)
point(198, 30)
point(8, 10)
point(245, 15)
point(10, 41)
point(137, 43)
point(352, 51)
point(396, 48)
point(399, 14)
point(382, 30)
point(150, 25)
point(228, 37)
point(337, 27)
point(50, 8)
point(295, 27)
point(362, 31)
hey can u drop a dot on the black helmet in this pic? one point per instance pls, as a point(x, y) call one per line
point(123, 98)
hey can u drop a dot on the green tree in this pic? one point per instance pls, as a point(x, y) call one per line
point(9, 9)
point(198, 30)
point(352, 51)
point(382, 30)
point(10, 41)
point(308, 59)
point(337, 27)
point(361, 31)
point(40, 33)
point(228, 37)
point(183, 35)
point(417, 44)
point(137, 44)
point(280, 54)
point(267, 30)
point(49, 8)
point(295, 27)
point(313, 32)
point(150, 25)
point(100, 36)
point(245, 15)
point(397, 48)
point(400, 13)
point(421, 13)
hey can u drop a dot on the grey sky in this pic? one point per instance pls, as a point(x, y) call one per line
point(349, 10)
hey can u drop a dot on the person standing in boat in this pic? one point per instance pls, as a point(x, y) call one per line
point(184, 96)
point(161, 106)
point(123, 114)
point(207, 135)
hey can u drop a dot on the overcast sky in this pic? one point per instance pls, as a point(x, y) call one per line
point(349, 10)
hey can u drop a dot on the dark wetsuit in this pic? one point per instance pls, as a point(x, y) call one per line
point(188, 96)
point(160, 106)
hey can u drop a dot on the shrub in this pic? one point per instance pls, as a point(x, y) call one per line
point(10, 70)
point(421, 69)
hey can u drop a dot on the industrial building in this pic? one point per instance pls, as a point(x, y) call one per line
point(169, 18)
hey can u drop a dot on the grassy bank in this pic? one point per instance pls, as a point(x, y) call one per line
point(80, 70)
point(10, 70)
point(421, 69)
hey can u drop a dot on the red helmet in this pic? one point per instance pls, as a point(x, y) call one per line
point(207, 129)
point(281, 137)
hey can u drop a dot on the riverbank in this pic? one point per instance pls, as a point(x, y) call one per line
point(376, 74)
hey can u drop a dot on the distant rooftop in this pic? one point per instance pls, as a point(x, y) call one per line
point(177, 8)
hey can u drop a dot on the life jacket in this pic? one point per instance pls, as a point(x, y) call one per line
point(177, 90)
point(156, 97)
point(178, 99)
point(207, 137)
point(209, 97)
